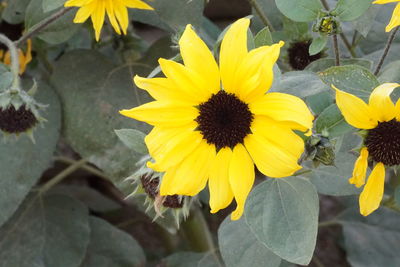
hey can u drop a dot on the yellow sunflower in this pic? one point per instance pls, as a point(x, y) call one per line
point(395, 20)
point(381, 118)
point(207, 133)
point(117, 12)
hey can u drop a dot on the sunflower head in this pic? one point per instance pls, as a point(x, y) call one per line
point(299, 57)
point(395, 20)
point(214, 122)
point(380, 122)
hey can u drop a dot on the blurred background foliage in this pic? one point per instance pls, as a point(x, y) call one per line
point(63, 197)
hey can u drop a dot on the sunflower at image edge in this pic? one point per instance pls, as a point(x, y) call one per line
point(203, 133)
point(116, 10)
point(381, 120)
point(395, 20)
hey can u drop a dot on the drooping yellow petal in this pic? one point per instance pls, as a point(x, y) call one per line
point(78, 3)
point(191, 175)
point(395, 20)
point(187, 80)
point(380, 103)
point(136, 4)
point(355, 111)
point(160, 113)
point(111, 16)
point(241, 178)
point(360, 169)
point(279, 134)
point(175, 150)
point(97, 17)
point(258, 63)
point(221, 194)
point(371, 196)
point(121, 14)
point(84, 13)
point(271, 159)
point(232, 53)
point(381, 2)
point(199, 58)
point(284, 108)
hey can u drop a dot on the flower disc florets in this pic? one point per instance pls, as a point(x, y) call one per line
point(15, 121)
point(299, 57)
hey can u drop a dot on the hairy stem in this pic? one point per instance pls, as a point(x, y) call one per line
point(328, 223)
point(14, 60)
point(336, 49)
point(84, 167)
point(385, 52)
point(261, 14)
point(41, 25)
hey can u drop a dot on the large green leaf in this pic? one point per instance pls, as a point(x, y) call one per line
point(48, 231)
point(192, 259)
point(353, 79)
point(239, 246)
point(14, 12)
point(93, 90)
point(324, 63)
point(49, 5)
point(57, 32)
point(348, 10)
point(22, 162)
point(110, 246)
point(332, 121)
point(283, 214)
point(300, 10)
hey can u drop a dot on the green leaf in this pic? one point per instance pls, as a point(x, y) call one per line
point(324, 63)
point(22, 162)
point(49, 231)
point(14, 12)
point(92, 98)
point(57, 32)
point(390, 73)
point(300, 10)
point(348, 10)
point(364, 23)
point(268, 7)
point(319, 102)
point(283, 214)
point(6, 78)
point(317, 45)
point(332, 121)
point(295, 30)
point(192, 259)
point(239, 246)
point(134, 139)
point(263, 37)
point(49, 5)
point(110, 246)
point(353, 79)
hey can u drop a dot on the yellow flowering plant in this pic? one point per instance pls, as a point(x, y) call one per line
point(199, 133)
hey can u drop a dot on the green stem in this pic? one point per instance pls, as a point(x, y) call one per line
point(14, 60)
point(261, 14)
point(41, 25)
point(328, 223)
point(336, 50)
point(85, 167)
point(59, 177)
point(197, 232)
point(385, 52)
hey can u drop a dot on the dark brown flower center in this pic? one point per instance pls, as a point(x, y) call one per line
point(224, 120)
point(383, 143)
point(299, 58)
point(16, 121)
point(150, 186)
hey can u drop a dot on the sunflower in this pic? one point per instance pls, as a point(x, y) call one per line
point(117, 12)
point(381, 120)
point(395, 20)
point(204, 133)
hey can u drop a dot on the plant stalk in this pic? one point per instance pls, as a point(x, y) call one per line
point(14, 60)
point(385, 52)
point(336, 49)
point(41, 25)
point(261, 14)
point(84, 167)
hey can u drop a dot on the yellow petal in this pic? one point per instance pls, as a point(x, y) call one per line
point(186, 80)
point(258, 63)
point(381, 2)
point(284, 108)
point(98, 17)
point(78, 3)
point(175, 150)
point(271, 159)
point(220, 190)
point(355, 111)
point(397, 109)
point(191, 175)
point(380, 103)
point(111, 16)
point(360, 169)
point(199, 58)
point(84, 13)
point(121, 13)
point(233, 51)
point(371, 196)
point(162, 89)
point(160, 113)
point(241, 178)
point(395, 20)
point(279, 134)
point(136, 4)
